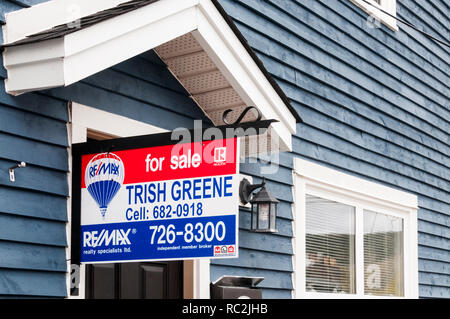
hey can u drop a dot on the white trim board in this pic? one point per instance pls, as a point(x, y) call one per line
point(334, 178)
point(85, 117)
point(77, 55)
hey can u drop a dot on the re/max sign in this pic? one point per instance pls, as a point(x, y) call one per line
point(115, 237)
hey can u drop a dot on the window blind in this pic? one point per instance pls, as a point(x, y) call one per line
point(383, 254)
point(330, 242)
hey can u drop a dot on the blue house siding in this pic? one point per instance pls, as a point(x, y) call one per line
point(33, 210)
point(375, 103)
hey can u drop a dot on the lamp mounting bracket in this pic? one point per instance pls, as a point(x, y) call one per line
point(246, 189)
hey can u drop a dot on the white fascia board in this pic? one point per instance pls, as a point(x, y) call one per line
point(91, 50)
point(46, 75)
point(46, 15)
point(233, 60)
point(36, 66)
point(133, 21)
point(215, 30)
point(241, 81)
point(33, 52)
point(81, 64)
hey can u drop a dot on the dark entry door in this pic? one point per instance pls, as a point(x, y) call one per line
point(149, 280)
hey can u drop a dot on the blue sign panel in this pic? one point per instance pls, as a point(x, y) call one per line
point(160, 240)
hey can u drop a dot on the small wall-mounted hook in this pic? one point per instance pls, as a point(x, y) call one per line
point(12, 177)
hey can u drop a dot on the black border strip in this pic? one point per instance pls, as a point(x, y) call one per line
point(166, 138)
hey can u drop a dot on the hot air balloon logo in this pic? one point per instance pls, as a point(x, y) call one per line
point(104, 176)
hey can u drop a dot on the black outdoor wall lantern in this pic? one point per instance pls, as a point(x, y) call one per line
point(264, 206)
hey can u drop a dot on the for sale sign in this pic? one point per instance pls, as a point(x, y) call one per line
point(160, 203)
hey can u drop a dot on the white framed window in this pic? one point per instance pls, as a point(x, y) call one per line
point(352, 238)
point(382, 11)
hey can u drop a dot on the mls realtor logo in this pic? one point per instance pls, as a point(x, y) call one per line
point(104, 176)
point(224, 250)
point(220, 156)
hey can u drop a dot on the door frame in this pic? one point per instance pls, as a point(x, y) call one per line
point(84, 119)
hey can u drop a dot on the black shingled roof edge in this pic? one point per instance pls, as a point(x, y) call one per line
point(35, 38)
point(64, 29)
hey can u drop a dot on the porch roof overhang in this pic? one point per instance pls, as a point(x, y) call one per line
point(45, 47)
